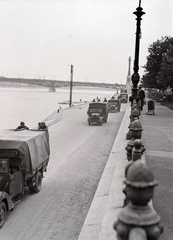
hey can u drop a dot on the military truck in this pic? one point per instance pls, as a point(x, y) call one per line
point(114, 105)
point(24, 156)
point(123, 97)
point(98, 113)
point(123, 90)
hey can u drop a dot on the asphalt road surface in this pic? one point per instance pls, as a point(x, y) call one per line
point(79, 153)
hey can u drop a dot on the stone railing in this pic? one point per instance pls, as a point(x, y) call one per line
point(137, 220)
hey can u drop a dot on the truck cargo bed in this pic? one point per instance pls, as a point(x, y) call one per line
point(32, 146)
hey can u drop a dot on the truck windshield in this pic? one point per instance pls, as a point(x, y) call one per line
point(124, 95)
point(96, 110)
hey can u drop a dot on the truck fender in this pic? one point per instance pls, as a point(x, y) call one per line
point(5, 197)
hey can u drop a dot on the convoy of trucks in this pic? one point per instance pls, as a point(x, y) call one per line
point(24, 157)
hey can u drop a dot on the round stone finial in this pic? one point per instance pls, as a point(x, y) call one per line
point(137, 143)
point(136, 125)
point(135, 112)
point(134, 101)
point(140, 176)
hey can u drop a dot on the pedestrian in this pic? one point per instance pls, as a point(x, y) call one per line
point(141, 94)
point(59, 109)
point(42, 126)
point(21, 127)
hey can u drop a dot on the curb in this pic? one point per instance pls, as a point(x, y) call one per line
point(108, 199)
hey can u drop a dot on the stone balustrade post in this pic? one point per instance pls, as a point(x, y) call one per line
point(135, 133)
point(137, 213)
point(137, 150)
point(137, 234)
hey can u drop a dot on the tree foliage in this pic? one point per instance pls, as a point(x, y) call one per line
point(165, 75)
point(159, 66)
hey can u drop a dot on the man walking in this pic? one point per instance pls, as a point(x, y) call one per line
point(141, 95)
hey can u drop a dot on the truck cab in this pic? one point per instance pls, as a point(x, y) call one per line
point(98, 113)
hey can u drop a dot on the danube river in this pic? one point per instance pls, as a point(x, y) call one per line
point(34, 105)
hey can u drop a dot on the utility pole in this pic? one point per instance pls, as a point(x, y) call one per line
point(71, 85)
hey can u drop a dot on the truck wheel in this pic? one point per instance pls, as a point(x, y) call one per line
point(38, 183)
point(3, 212)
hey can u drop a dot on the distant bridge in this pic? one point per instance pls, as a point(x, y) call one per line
point(53, 84)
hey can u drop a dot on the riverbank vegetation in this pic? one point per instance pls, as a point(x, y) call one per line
point(158, 71)
point(159, 65)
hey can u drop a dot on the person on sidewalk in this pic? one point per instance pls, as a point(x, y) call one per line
point(141, 94)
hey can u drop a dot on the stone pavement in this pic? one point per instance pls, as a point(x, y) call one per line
point(157, 138)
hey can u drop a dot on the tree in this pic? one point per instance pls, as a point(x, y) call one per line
point(165, 75)
point(156, 63)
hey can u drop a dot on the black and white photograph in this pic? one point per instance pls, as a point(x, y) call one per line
point(86, 119)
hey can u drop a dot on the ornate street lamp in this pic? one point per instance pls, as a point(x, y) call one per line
point(135, 76)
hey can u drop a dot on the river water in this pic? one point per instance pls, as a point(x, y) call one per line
point(34, 105)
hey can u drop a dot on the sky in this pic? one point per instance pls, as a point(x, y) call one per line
point(43, 38)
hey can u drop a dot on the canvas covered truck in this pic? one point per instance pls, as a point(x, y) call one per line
point(123, 90)
point(114, 105)
point(98, 113)
point(24, 156)
point(123, 97)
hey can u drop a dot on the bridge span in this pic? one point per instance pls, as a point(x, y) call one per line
point(53, 84)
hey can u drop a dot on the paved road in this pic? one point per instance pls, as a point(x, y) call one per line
point(78, 156)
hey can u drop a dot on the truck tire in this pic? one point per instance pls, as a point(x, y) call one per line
point(38, 183)
point(3, 212)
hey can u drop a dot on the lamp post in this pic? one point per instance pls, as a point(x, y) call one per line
point(135, 76)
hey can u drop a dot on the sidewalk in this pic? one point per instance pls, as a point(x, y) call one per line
point(157, 138)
